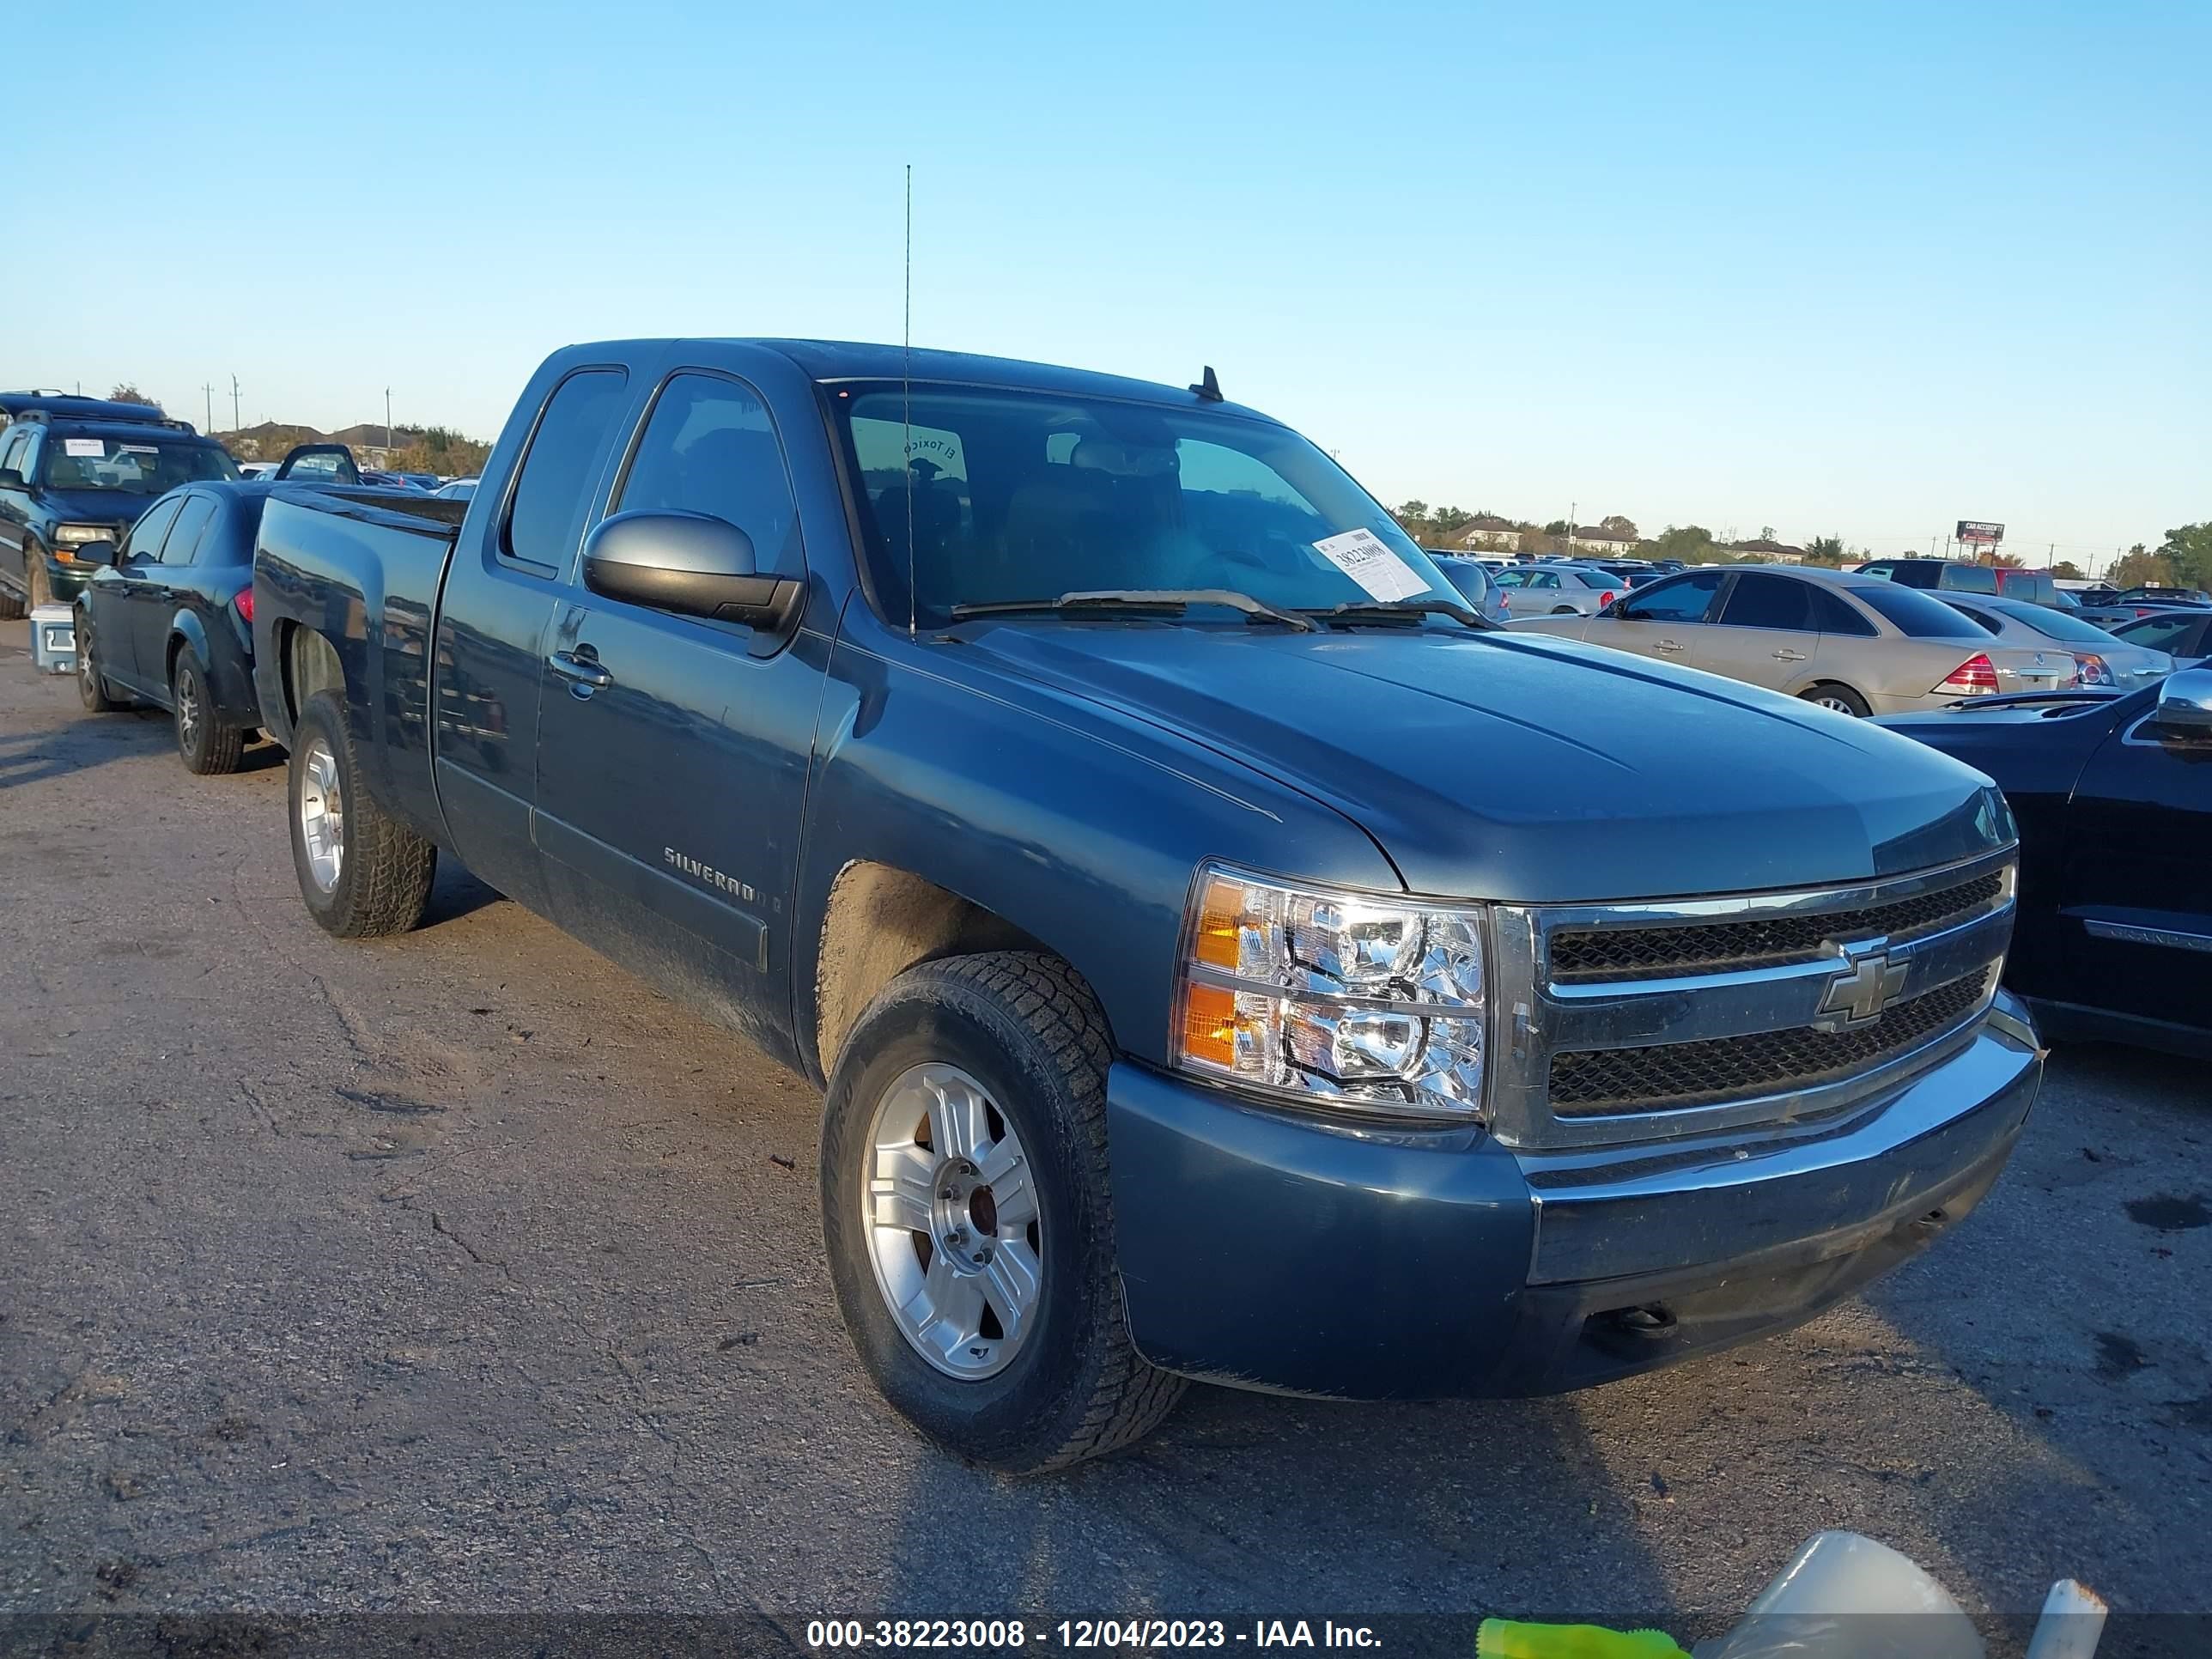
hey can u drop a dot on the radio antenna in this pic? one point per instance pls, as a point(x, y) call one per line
point(906, 397)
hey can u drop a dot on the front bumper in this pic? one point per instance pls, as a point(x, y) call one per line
point(1266, 1251)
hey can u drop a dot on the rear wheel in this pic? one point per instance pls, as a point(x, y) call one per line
point(362, 872)
point(34, 577)
point(1841, 698)
point(209, 746)
point(91, 685)
point(1565, 610)
point(970, 1223)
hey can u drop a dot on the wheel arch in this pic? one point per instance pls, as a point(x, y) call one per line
point(879, 920)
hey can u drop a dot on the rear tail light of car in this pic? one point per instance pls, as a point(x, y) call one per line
point(1976, 677)
point(1606, 599)
point(2090, 669)
point(244, 604)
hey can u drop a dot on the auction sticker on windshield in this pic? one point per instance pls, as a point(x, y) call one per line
point(1367, 559)
point(82, 448)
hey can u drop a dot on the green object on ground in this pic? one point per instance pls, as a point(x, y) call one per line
point(1504, 1638)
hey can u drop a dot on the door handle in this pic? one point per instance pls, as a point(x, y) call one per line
point(1787, 656)
point(1668, 645)
point(582, 672)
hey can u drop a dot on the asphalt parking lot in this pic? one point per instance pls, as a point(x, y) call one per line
point(460, 1272)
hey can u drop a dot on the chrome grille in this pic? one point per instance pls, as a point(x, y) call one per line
point(1677, 1074)
point(1645, 1020)
point(1630, 953)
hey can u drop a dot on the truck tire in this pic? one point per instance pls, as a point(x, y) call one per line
point(209, 747)
point(362, 872)
point(91, 683)
point(967, 1118)
point(1841, 698)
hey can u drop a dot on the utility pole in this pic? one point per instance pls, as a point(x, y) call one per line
point(210, 389)
point(387, 426)
point(234, 422)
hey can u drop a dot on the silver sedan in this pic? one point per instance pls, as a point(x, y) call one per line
point(2101, 658)
point(1560, 590)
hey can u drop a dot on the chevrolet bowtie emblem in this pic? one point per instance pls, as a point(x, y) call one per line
point(1871, 985)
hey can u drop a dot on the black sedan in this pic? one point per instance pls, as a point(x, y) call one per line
point(2184, 635)
point(2114, 799)
point(168, 619)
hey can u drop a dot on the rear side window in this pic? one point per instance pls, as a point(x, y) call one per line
point(1981, 619)
point(1760, 601)
point(1915, 615)
point(11, 446)
point(1967, 579)
point(1832, 614)
point(2033, 586)
point(1683, 600)
point(182, 545)
point(709, 447)
point(545, 516)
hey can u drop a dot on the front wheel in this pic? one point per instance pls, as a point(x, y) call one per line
point(970, 1223)
point(1565, 610)
point(91, 683)
point(208, 746)
point(362, 872)
point(1840, 698)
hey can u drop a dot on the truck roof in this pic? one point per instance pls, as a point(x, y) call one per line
point(852, 360)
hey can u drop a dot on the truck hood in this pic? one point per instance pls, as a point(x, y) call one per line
point(96, 507)
point(1509, 766)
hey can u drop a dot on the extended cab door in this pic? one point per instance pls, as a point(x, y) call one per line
point(673, 751)
point(507, 573)
point(2136, 889)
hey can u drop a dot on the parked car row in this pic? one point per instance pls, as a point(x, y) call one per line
point(1205, 924)
point(1853, 643)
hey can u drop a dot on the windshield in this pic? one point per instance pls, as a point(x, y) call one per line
point(133, 466)
point(1006, 495)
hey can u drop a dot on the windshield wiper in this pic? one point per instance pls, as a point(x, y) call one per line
point(1138, 601)
point(1399, 609)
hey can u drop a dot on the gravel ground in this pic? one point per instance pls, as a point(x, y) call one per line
point(462, 1272)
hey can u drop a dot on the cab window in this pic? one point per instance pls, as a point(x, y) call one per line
point(558, 473)
point(709, 447)
point(1969, 579)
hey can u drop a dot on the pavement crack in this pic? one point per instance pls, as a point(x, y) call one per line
point(438, 1226)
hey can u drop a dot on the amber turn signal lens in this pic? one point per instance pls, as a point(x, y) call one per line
point(1209, 1024)
point(1221, 924)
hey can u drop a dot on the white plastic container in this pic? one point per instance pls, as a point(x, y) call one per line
point(53, 640)
point(1844, 1597)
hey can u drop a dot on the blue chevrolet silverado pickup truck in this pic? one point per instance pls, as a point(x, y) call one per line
point(1224, 956)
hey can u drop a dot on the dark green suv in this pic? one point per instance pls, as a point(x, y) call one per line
point(75, 472)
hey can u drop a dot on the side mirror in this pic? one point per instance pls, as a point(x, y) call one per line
point(95, 552)
point(2184, 705)
point(691, 564)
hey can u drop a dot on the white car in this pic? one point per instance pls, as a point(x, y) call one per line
point(457, 490)
point(1560, 590)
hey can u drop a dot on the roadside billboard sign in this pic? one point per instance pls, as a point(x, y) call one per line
point(1978, 532)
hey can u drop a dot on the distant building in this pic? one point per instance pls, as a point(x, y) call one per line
point(1772, 552)
point(1595, 538)
point(1490, 534)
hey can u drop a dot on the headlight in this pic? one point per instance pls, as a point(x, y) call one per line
point(1356, 1001)
point(74, 535)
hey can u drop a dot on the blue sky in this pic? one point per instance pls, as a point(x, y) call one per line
point(1860, 270)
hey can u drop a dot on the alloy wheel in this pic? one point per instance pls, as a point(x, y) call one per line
point(953, 1227)
point(322, 814)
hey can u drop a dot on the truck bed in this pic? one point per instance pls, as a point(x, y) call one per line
point(360, 567)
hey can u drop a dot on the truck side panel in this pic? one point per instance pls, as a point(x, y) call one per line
point(361, 570)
